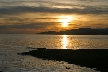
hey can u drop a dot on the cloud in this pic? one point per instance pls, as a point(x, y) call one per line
point(47, 6)
point(23, 9)
point(29, 28)
point(40, 25)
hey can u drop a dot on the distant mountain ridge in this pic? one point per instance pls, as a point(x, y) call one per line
point(80, 31)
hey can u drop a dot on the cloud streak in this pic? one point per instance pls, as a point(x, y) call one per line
point(23, 9)
point(40, 25)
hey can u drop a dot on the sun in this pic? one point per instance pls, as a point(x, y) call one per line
point(65, 20)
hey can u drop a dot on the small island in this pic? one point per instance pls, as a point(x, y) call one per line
point(80, 31)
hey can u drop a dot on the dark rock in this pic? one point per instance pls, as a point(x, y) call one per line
point(92, 58)
point(67, 67)
point(105, 70)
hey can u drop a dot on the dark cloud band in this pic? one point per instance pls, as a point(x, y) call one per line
point(23, 9)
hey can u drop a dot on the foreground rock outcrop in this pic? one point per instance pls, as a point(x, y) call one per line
point(93, 58)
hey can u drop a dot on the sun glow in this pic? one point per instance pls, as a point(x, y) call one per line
point(65, 20)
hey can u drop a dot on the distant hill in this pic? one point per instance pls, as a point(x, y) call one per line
point(80, 31)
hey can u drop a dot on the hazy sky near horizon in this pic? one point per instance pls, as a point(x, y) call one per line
point(31, 16)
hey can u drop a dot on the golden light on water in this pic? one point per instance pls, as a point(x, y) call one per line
point(65, 20)
point(64, 42)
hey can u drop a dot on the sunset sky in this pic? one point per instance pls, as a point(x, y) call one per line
point(32, 16)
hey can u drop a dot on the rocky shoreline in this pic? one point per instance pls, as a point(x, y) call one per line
point(92, 58)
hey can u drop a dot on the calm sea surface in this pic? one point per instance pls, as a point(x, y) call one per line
point(11, 44)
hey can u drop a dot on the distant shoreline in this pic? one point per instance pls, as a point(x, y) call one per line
point(71, 34)
point(80, 31)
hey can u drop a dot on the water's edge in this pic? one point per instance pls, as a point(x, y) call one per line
point(93, 58)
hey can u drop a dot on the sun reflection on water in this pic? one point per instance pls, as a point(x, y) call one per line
point(64, 41)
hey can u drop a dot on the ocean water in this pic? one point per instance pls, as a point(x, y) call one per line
point(11, 44)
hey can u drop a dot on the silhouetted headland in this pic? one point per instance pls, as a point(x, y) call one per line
point(80, 31)
point(92, 58)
